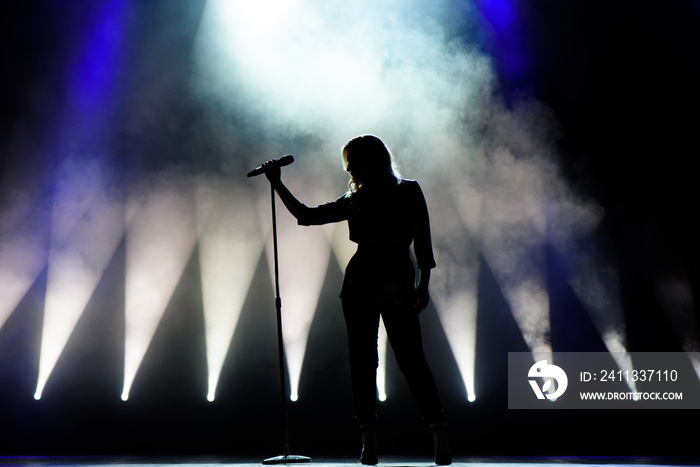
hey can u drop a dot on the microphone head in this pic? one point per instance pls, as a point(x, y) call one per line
point(281, 162)
point(285, 160)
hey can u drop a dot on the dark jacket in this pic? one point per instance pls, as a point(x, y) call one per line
point(383, 221)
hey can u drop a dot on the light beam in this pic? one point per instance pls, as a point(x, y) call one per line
point(230, 245)
point(303, 261)
point(23, 254)
point(160, 239)
point(86, 229)
point(86, 223)
point(512, 240)
point(455, 280)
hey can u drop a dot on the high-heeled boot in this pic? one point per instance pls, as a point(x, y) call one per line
point(369, 454)
point(443, 455)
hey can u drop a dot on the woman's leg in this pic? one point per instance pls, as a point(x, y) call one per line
point(362, 323)
point(403, 329)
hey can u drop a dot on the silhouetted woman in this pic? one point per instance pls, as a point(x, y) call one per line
point(385, 215)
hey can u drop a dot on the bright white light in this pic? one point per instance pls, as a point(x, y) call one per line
point(86, 229)
point(159, 242)
point(125, 396)
point(624, 363)
point(230, 245)
point(457, 314)
point(255, 19)
point(303, 261)
point(333, 69)
point(453, 284)
point(381, 369)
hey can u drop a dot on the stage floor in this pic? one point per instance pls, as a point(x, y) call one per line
point(100, 461)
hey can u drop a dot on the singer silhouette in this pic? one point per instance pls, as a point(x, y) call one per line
point(385, 214)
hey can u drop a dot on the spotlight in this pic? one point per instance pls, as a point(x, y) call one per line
point(303, 260)
point(512, 240)
point(381, 369)
point(454, 282)
point(86, 229)
point(160, 239)
point(230, 245)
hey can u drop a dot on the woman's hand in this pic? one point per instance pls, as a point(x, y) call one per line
point(422, 290)
point(272, 172)
point(422, 298)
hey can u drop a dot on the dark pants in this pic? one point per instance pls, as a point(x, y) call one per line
point(403, 329)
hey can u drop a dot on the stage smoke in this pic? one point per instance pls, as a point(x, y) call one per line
point(399, 73)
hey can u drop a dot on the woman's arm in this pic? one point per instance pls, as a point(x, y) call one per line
point(273, 174)
point(334, 211)
point(422, 246)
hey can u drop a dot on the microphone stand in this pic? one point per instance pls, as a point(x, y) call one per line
point(285, 458)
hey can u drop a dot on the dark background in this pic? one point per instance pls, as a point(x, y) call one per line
point(621, 79)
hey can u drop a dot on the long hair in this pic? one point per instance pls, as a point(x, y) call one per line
point(370, 152)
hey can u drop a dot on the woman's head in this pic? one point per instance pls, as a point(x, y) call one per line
point(368, 161)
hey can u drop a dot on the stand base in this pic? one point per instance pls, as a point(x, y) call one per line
point(288, 459)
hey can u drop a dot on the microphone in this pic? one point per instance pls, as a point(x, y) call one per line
point(281, 162)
